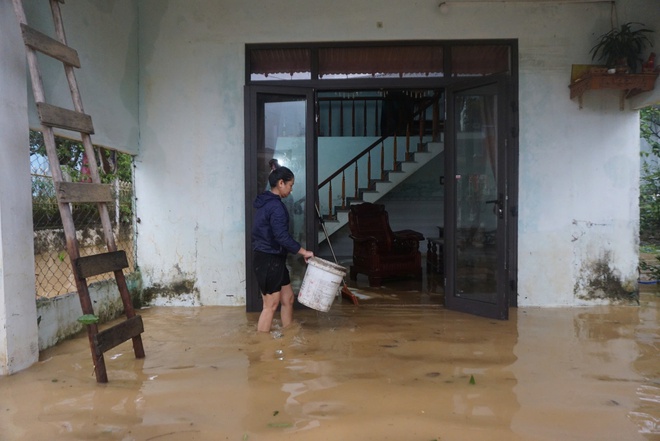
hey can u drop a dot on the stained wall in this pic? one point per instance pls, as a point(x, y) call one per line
point(164, 79)
point(579, 168)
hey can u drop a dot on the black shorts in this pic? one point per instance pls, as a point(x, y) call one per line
point(271, 271)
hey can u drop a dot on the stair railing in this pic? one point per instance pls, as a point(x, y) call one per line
point(353, 162)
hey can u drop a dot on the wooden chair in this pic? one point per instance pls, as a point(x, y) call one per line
point(379, 252)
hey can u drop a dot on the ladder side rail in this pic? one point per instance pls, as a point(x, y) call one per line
point(129, 311)
point(64, 208)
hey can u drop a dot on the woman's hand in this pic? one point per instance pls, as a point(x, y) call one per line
point(305, 253)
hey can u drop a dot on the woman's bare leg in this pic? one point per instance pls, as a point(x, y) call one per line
point(271, 301)
point(286, 299)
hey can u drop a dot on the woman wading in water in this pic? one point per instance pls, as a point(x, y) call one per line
point(271, 242)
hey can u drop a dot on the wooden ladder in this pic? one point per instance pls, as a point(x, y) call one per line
point(79, 192)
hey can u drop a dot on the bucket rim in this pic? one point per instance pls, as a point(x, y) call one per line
point(320, 262)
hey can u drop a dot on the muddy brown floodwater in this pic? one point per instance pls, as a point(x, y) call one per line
point(354, 373)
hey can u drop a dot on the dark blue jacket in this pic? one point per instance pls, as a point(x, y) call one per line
point(270, 230)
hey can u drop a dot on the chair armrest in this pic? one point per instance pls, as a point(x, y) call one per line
point(362, 238)
point(408, 235)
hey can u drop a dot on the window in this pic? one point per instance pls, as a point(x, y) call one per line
point(376, 60)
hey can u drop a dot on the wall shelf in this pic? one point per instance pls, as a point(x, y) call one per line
point(629, 84)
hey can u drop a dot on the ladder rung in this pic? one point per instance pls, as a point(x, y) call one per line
point(49, 46)
point(83, 192)
point(111, 337)
point(54, 116)
point(96, 264)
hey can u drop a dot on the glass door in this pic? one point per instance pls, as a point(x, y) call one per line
point(476, 215)
point(279, 129)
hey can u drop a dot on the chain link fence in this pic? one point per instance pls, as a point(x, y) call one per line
point(53, 270)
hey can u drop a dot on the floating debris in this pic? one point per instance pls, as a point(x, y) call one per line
point(88, 319)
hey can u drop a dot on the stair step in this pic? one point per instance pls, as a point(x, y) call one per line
point(389, 179)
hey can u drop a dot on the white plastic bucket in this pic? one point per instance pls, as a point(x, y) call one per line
point(320, 284)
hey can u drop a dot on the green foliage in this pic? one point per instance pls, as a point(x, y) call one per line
point(622, 45)
point(652, 270)
point(69, 152)
point(113, 166)
point(649, 190)
point(650, 128)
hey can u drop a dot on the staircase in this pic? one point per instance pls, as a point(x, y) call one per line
point(406, 118)
point(378, 188)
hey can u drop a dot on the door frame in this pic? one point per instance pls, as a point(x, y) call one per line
point(507, 178)
point(508, 129)
point(252, 121)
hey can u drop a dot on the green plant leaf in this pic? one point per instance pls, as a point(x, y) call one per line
point(472, 380)
point(88, 319)
point(622, 44)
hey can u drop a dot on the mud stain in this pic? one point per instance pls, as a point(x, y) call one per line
point(354, 373)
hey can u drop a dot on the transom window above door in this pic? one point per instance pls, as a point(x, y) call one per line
point(332, 61)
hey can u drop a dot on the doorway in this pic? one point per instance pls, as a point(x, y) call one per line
point(478, 213)
point(329, 132)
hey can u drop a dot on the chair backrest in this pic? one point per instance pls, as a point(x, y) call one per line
point(369, 219)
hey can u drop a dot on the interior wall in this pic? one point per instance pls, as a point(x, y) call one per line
point(579, 169)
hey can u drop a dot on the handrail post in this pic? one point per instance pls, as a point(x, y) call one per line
point(436, 119)
point(329, 117)
point(364, 116)
point(369, 169)
point(330, 200)
point(421, 132)
point(343, 191)
point(382, 160)
point(408, 142)
point(357, 182)
point(394, 152)
point(341, 117)
point(353, 118)
point(376, 121)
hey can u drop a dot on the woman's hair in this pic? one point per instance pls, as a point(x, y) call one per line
point(280, 173)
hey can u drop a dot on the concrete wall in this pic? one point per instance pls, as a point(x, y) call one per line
point(18, 321)
point(579, 169)
point(58, 316)
point(105, 35)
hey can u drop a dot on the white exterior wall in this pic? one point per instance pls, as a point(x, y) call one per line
point(579, 169)
point(18, 315)
point(105, 36)
point(104, 33)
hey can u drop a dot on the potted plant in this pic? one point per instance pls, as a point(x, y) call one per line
point(621, 48)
